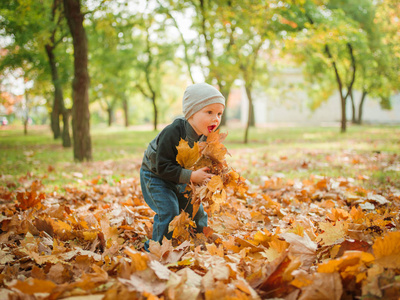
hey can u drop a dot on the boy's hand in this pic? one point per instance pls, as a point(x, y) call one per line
point(200, 175)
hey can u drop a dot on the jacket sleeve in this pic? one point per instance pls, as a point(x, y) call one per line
point(167, 166)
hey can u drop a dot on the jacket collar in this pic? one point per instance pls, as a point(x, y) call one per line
point(191, 135)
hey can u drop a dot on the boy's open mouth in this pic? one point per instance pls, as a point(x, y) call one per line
point(211, 128)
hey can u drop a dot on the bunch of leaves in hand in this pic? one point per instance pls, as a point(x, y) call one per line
point(210, 154)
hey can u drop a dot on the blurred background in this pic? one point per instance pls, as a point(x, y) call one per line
point(127, 63)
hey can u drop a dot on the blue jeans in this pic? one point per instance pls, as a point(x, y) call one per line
point(167, 200)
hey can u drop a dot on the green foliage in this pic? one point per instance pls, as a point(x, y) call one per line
point(137, 56)
point(28, 25)
point(337, 24)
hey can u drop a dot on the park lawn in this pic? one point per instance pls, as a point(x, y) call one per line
point(368, 154)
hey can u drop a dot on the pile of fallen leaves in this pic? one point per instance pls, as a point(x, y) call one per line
point(320, 238)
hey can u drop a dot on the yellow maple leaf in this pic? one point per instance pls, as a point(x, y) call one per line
point(387, 250)
point(332, 233)
point(187, 156)
point(262, 237)
point(215, 183)
point(276, 248)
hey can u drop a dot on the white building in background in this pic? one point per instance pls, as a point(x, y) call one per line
point(291, 107)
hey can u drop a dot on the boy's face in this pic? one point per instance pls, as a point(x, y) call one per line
point(207, 119)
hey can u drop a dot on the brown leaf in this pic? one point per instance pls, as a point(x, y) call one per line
point(301, 247)
point(166, 253)
point(38, 273)
point(149, 284)
point(5, 257)
point(275, 284)
point(59, 274)
point(327, 286)
point(349, 245)
point(185, 286)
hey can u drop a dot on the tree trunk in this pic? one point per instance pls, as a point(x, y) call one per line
point(126, 110)
point(58, 104)
point(343, 122)
point(225, 90)
point(353, 109)
point(80, 86)
point(360, 107)
point(26, 114)
point(153, 99)
point(66, 137)
point(250, 113)
point(252, 121)
point(55, 119)
point(110, 116)
point(340, 89)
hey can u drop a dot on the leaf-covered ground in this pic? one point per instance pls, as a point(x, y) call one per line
point(314, 238)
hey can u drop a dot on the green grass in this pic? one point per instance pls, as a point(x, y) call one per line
point(295, 152)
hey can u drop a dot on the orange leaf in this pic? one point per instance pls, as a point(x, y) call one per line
point(30, 198)
point(32, 286)
point(180, 225)
point(139, 260)
point(350, 262)
point(338, 214)
point(387, 250)
point(213, 147)
point(357, 215)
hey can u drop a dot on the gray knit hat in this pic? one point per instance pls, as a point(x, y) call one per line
point(199, 95)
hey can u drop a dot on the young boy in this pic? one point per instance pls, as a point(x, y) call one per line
point(162, 179)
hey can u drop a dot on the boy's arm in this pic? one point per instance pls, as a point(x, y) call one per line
point(167, 166)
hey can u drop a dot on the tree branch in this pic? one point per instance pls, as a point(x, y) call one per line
point(185, 45)
point(339, 81)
